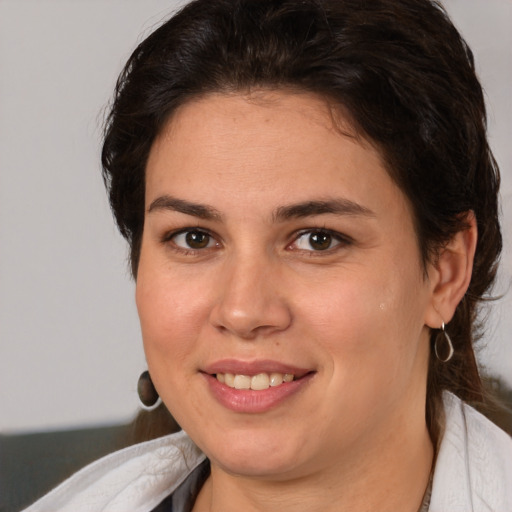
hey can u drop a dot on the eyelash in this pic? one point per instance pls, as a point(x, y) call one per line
point(169, 239)
point(342, 240)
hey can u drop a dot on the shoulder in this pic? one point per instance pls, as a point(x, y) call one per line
point(137, 478)
point(473, 470)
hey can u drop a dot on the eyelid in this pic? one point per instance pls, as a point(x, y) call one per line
point(342, 239)
point(169, 236)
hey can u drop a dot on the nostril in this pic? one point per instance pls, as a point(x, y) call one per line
point(261, 317)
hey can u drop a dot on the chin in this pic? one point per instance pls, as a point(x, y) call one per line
point(255, 455)
point(256, 467)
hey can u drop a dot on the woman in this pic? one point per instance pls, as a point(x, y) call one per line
point(311, 207)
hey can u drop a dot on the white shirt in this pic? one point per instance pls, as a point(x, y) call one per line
point(473, 471)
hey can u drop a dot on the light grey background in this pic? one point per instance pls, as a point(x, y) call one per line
point(70, 349)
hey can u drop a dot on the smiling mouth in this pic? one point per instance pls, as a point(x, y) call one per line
point(258, 382)
point(253, 389)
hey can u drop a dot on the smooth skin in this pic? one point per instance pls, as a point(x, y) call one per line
point(241, 259)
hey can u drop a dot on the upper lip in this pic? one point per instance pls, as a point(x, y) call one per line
point(238, 367)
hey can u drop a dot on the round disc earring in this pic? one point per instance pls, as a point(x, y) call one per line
point(148, 395)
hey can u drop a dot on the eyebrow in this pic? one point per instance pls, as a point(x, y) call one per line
point(201, 211)
point(338, 206)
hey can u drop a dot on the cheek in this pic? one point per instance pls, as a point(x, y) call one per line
point(367, 335)
point(169, 318)
point(169, 313)
point(365, 317)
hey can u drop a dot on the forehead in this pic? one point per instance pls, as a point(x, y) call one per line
point(269, 144)
point(264, 120)
point(315, 107)
point(271, 107)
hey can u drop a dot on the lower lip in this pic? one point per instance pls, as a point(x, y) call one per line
point(250, 401)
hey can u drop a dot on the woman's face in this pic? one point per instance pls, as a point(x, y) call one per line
point(275, 245)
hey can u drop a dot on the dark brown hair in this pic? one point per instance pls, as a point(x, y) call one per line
point(399, 69)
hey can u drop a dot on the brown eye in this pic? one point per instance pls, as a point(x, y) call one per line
point(194, 240)
point(320, 241)
point(197, 239)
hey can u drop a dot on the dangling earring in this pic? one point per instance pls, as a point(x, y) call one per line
point(448, 342)
point(148, 395)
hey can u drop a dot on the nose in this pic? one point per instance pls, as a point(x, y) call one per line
point(251, 300)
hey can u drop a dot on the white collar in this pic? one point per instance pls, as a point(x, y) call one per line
point(135, 479)
point(473, 470)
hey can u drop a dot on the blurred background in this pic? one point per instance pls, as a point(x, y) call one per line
point(70, 347)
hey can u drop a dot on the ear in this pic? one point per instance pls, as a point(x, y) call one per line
point(450, 275)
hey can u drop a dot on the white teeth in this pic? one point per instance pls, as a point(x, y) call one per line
point(229, 379)
point(242, 382)
point(256, 382)
point(260, 381)
point(276, 379)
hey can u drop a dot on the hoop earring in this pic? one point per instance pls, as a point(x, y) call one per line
point(448, 342)
point(148, 395)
